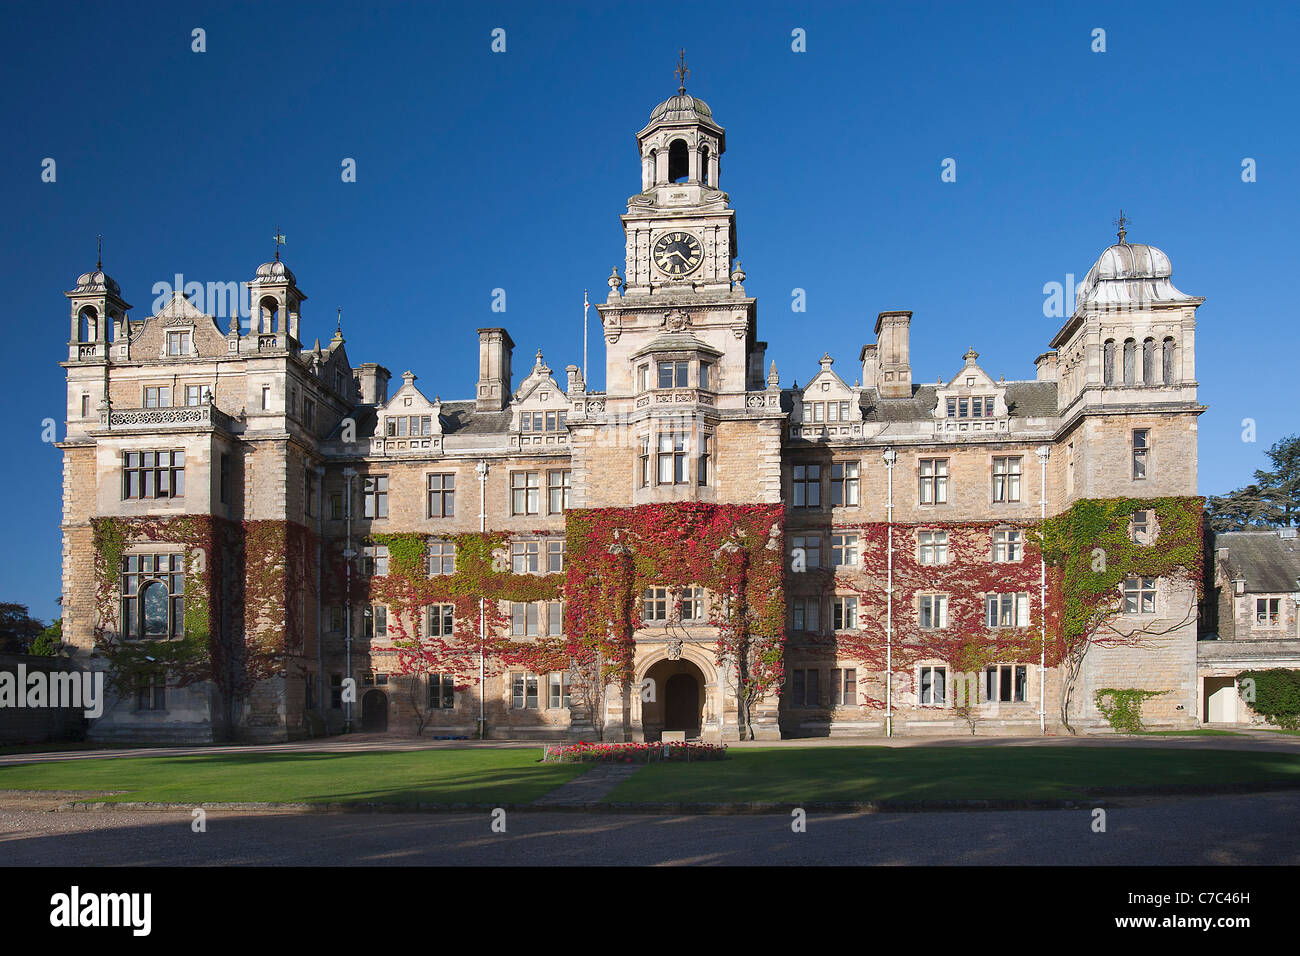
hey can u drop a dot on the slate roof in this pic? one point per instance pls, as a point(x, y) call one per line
point(1269, 563)
point(458, 418)
point(1024, 400)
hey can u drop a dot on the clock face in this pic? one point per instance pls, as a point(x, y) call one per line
point(677, 253)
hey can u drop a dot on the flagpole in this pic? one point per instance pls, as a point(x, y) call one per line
point(585, 306)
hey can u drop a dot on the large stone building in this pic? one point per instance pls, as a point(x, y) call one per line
point(906, 505)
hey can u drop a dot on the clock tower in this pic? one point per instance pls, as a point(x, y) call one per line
point(681, 248)
point(684, 371)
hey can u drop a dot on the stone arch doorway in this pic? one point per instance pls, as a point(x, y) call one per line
point(374, 712)
point(678, 704)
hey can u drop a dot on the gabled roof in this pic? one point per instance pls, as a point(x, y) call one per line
point(1269, 563)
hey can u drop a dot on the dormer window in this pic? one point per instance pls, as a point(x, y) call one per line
point(178, 343)
point(542, 421)
point(400, 426)
point(826, 412)
point(980, 406)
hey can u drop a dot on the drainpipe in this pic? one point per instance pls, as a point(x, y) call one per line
point(348, 555)
point(890, 457)
point(320, 558)
point(1043, 452)
point(481, 469)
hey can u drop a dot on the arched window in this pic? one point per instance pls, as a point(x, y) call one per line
point(87, 325)
point(153, 596)
point(704, 166)
point(1108, 362)
point(1130, 361)
point(1167, 363)
point(679, 163)
point(1148, 361)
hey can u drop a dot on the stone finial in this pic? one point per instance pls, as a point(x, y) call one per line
point(408, 378)
point(738, 276)
point(971, 356)
point(615, 283)
point(826, 362)
point(773, 379)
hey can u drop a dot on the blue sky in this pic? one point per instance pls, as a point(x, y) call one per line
point(479, 170)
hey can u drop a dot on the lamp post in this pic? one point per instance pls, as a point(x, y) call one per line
point(481, 469)
point(890, 457)
point(1043, 452)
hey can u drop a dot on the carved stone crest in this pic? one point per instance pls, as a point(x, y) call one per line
point(676, 320)
point(674, 650)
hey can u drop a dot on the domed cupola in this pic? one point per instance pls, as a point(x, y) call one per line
point(274, 271)
point(1128, 275)
point(98, 281)
point(681, 144)
point(98, 314)
point(275, 303)
point(682, 108)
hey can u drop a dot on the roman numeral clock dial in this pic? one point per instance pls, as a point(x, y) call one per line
point(677, 253)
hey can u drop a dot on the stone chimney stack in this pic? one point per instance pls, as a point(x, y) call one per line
point(894, 376)
point(374, 383)
point(1047, 367)
point(494, 350)
point(870, 362)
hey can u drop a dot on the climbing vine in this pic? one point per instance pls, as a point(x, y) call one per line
point(1122, 707)
point(1092, 544)
point(733, 551)
point(482, 571)
point(244, 606)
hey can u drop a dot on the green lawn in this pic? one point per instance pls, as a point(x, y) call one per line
point(433, 776)
point(1198, 732)
point(788, 774)
point(859, 774)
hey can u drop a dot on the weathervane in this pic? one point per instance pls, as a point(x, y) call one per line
point(1122, 222)
point(99, 254)
point(682, 72)
point(279, 241)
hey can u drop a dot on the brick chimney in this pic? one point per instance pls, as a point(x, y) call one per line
point(894, 368)
point(494, 350)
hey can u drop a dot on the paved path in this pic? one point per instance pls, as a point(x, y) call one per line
point(1253, 829)
point(357, 743)
point(589, 788)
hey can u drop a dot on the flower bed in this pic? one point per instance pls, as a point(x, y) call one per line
point(634, 753)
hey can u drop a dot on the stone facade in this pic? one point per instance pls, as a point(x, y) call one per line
point(274, 431)
point(1253, 599)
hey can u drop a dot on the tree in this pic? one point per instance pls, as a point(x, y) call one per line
point(17, 628)
point(1272, 500)
point(44, 643)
